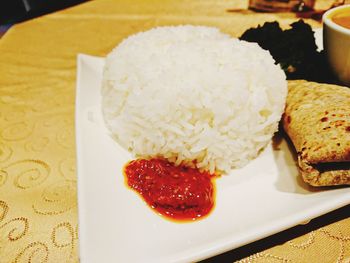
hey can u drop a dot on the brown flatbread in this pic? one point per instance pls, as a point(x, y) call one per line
point(317, 120)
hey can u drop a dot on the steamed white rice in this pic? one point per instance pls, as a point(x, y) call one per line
point(192, 93)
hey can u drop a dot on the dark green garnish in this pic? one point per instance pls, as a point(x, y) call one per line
point(294, 49)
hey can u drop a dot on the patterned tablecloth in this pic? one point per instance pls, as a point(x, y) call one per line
point(38, 206)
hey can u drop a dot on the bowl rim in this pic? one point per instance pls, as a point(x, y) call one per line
point(326, 19)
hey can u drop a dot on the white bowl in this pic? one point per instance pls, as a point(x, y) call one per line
point(336, 41)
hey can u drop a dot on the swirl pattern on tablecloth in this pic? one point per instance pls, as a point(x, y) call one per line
point(56, 199)
point(27, 173)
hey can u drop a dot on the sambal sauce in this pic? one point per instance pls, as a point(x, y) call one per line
point(176, 192)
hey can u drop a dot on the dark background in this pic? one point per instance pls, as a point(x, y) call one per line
point(13, 11)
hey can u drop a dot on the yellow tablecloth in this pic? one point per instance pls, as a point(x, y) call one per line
point(38, 207)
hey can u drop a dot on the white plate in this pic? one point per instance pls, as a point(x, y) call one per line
point(115, 225)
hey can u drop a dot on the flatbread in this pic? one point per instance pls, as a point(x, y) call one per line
point(317, 120)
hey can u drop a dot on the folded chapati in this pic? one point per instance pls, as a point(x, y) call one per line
point(317, 120)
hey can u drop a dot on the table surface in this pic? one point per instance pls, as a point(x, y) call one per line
point(38, 206)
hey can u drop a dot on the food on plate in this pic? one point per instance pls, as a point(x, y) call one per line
point(294, 49)
point(191, 103)
point(193, 96)
point(176, 192)
point(317, 120)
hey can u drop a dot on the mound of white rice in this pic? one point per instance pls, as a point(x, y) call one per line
point(192, 93)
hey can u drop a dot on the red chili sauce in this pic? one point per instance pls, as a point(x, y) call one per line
point(176, 192)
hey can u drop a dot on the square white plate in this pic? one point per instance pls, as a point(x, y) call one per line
point(115, 225)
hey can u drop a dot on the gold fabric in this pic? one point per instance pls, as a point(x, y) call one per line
point(38, 206)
